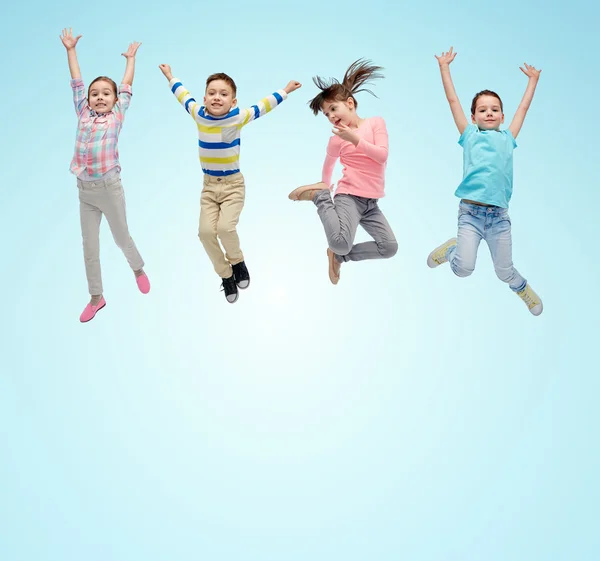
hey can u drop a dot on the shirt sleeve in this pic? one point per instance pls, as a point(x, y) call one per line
point(263, 107)
point(79, 97)
point(185, 98)
point(378, 150)
point(511, 138)
point(469, 131)
point(123, 101)
point(333, 152)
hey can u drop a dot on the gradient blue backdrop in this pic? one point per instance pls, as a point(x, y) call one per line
point(404, 414)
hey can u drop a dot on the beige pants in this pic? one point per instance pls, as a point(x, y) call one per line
point(98, 198)
point(221, 204)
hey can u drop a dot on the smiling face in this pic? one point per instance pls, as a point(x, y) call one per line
point(488, 113)
point(337, 112)
point(102, 96)
point(219, 98)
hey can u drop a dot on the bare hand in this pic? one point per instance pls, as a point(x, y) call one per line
point(67, 38)
point(345, 133)
point(166, 70)
point(446, 58)
point(292, 86)
point(133, 47)
point(530, 71)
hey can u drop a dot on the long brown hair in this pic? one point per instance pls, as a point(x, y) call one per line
point(359, 73)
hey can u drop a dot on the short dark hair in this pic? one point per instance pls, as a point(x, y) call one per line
point(485, 92)
point(222, 76)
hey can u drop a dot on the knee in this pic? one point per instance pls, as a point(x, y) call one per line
point(505, 275)
point(224, 230)
point(462, 270)
point(123, 242)
point(387, 249)
point(340, 246)
point(206, 233)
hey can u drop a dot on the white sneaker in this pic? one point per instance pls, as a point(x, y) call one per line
point(533, 301)
point(438, 255)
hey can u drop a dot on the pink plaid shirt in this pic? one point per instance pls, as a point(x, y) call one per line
point(96, 149)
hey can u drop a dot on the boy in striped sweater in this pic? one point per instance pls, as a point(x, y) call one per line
point(219, 124)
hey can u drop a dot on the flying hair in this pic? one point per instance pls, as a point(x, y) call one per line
point(360, 73)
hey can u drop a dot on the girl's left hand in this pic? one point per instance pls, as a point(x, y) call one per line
point(530, 71)
point(133, 47)
point(345, 133)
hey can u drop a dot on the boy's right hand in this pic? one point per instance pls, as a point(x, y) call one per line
point(67, 38)
point(166, 70)
point(446, 58)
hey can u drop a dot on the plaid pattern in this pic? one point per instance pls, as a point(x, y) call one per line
point(96, 149)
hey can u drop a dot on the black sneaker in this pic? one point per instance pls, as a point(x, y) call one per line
point(241, 274)
point(230, 288)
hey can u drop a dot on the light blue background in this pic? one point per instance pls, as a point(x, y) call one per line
point(403, 414)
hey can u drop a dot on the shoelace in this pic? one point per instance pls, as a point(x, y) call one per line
point(228, 285)
point(440, 256)
point(528, 299)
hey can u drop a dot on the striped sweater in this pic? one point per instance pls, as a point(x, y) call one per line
point(219, 137)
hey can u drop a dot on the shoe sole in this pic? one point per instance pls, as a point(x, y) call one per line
point(88, 320)
point(433, 264)
point(332, 276)
point(296, 193)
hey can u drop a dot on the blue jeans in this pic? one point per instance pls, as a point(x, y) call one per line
point(492, 224)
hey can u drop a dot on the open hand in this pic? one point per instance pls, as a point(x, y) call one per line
point(166, 70)
point(530, 71)
point(292, 86)
point(67, 38)
point(446, 58)
point(133, 47)
point(345, 133)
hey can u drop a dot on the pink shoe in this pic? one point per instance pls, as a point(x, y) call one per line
point(90, 311)
point(143, 283)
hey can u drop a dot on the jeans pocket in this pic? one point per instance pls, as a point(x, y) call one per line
point(504, 218)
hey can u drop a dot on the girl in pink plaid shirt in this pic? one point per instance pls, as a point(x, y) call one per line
point(96, 165)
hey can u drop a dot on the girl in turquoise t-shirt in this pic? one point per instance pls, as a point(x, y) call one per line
point(486, 187)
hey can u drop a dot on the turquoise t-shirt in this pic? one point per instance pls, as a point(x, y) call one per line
point(487, 166)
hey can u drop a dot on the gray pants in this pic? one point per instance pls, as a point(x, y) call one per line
point(104, 196)
point(342, 215)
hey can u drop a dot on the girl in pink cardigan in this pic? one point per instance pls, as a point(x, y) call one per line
point(362, 147)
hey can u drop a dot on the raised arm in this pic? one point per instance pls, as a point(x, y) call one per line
point(457, 112)
point(517, 122)
point(166, 70)
point(70, 43)
point(292, 86)
point(268, 103)
point(130, 65)
point(181, 94)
